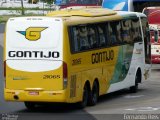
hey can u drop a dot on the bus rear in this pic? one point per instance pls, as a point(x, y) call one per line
point(155, 44)
point(153, 14)
point(155, 53)
point(33, 60)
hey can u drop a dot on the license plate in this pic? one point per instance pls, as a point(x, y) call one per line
point(33, 93)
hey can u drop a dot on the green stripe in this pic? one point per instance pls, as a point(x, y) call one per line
point(122, 68)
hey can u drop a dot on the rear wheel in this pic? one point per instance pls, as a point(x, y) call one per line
point(93, 96)
point(30, 105)
point(84, 101)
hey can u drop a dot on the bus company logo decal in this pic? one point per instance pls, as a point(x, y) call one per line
point(32, 33)
point(103, 56)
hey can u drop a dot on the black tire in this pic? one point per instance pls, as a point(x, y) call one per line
point(30, 105)
point(134, 89)
point(84, 101)
point(94, 94)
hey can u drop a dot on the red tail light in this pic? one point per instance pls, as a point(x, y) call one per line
point(4, 72)
point(65, 75)
point(65, 70)
point(4, 65)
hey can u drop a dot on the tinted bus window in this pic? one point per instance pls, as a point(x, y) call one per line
point(92, 36)
point(83, 38)
point(114, 32)
point(101, 28)
point(135, 30)
point(126, 31)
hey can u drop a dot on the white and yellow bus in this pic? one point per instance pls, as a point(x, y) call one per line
point(74, 56)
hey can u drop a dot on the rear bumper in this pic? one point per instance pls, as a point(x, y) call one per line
point(42, 96)
point(156, 59)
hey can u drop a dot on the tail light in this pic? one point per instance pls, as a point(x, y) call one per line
point(65, 75)
point(4, 72)
point(4, 65)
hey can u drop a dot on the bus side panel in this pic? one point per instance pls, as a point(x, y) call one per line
point(91, 68)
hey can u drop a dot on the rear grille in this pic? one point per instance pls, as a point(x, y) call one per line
point(73, 86)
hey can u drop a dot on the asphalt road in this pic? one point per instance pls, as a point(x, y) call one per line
point(120, 105)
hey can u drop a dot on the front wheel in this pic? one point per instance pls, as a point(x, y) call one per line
point(134, 89)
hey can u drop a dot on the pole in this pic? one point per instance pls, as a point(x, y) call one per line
point(43, 8)
point(22, 7)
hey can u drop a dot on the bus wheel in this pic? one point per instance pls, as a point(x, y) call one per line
point(84, 101)
point(30, 105)
point(134, 88)
point(93, 96)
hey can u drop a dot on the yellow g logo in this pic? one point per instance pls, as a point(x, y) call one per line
point(32, 33)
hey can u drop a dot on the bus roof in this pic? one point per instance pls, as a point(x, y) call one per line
point(86, 12)
point(91, 15)
point(130, 14)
